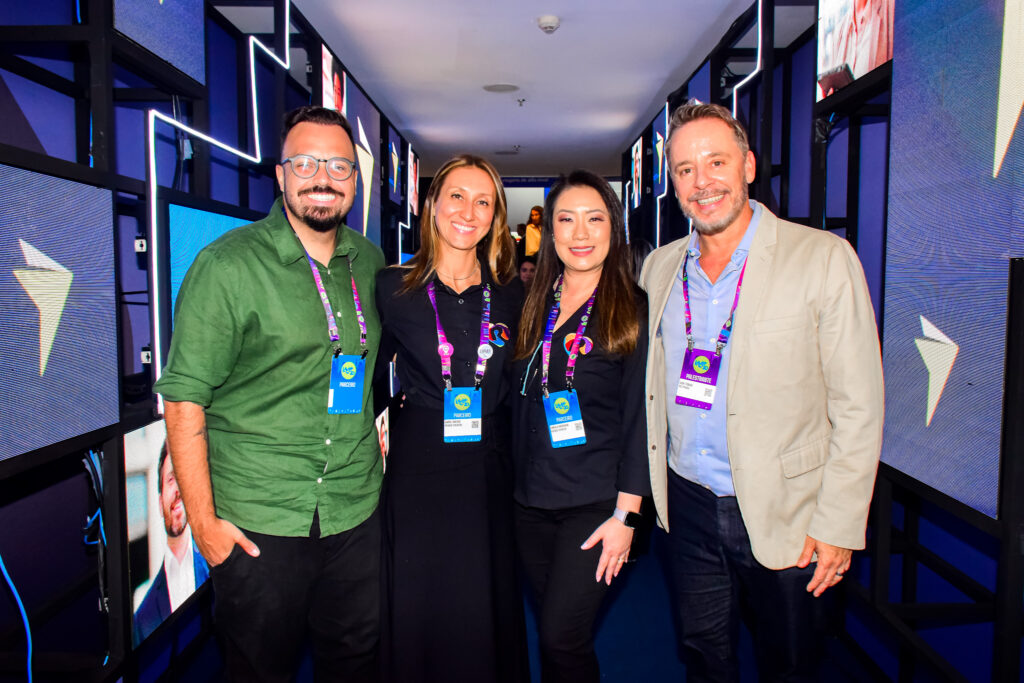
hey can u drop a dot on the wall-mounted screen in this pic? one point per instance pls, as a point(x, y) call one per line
point(854, 37)
point(394, 166)
point(659, 174)
point(188, 231)
point(412, 170)
point(173, 31)
point(637, 176)
point(956, 216)
point(164, 567)
point(340, 93)
point(58, 324)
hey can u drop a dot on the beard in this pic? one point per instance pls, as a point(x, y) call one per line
point(723, 223)
point(318, 218)
point(173, 527)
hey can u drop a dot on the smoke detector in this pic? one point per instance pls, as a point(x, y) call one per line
point(548, 23)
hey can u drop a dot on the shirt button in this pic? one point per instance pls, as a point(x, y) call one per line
point(711, 341)
point(651, 397)
point(468, 364)
point(462, 301)
point(703, 415)
point(319, 480)
point(328, 442)
point(714, 301)
point(654, 447)
point(338, 314)
point(703, 451)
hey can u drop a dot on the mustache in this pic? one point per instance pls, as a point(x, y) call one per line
point(704, 194)
point(321, 189)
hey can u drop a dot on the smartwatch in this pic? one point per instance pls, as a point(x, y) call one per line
point(630, 519)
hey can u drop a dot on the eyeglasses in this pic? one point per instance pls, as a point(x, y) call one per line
point(306, 166)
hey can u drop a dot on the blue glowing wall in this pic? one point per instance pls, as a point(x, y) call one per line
point(956, 205)
point(58, 330)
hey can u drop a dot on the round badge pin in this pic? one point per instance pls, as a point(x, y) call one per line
point(485, 351)
point(445, 350)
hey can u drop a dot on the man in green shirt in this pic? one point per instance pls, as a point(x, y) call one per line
point(270, 423)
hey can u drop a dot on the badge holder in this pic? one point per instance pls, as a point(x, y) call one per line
point(565, 421)
point(345, 397)
point(463, 414)
point(698, 381)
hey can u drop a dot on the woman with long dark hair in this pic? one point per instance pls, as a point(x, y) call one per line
point(580, 451)
point(452, 609)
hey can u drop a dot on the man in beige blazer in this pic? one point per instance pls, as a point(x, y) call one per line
point(762, 476)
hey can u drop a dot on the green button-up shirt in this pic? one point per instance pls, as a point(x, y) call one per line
point(251, 346)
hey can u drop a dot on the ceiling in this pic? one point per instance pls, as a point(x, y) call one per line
point(585, 92)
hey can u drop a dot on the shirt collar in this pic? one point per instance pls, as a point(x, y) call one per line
point(740, 254)
point(289, 248)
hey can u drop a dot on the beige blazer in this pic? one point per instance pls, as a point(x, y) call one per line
point(805, 400)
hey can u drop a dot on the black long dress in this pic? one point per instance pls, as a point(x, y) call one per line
point(452, 608)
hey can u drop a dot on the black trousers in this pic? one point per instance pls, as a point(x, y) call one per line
point(562, 579)
point(324, 588)
point(714, 572)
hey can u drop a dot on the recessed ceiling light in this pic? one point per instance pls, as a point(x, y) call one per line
point(501, 87)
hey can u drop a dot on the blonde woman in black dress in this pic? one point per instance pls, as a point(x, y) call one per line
point(452, 606)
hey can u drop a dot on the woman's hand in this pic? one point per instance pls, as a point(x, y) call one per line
point(615, 538)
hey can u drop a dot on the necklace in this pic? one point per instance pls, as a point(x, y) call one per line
point(456, 279)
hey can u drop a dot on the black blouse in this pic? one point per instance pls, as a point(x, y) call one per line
point(409, 329)
point(611, 396)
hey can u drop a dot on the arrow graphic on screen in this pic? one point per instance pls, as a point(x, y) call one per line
point(365, 171)
point(394, 168)
point(1011, 80)
point(938, 353)
point(47, 284)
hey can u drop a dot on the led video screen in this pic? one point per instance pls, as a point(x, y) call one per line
point(173, 31)
point(854, 38)
point(659, 174)
point(413, 172)
point(58, 324)
point(165, 567)
point(394, 166)
point(340, 93)
point(637, 177)
point(956, 216)
point(188, 231)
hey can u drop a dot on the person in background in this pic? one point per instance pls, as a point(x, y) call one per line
point(580, 448)
point(765, 384)
point(534, 228)
point(527, 269)
point(270, 422)
point(452, 605)
point(183, 569)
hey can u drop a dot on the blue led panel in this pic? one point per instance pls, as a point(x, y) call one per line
point(58, 331)
point(956, 216)
point(173, 30)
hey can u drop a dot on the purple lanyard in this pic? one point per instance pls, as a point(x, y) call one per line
point(723, 336)
point(570, 366)
point(445, 348)
point(332, 326)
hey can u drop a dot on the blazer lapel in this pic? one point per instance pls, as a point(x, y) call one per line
point(661, 281)
point(755, 283)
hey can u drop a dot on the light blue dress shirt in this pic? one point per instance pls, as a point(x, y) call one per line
point(697, 447)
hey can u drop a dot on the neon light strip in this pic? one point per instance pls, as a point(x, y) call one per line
point(661, 174)
point(151, 182)
point(757, 69)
